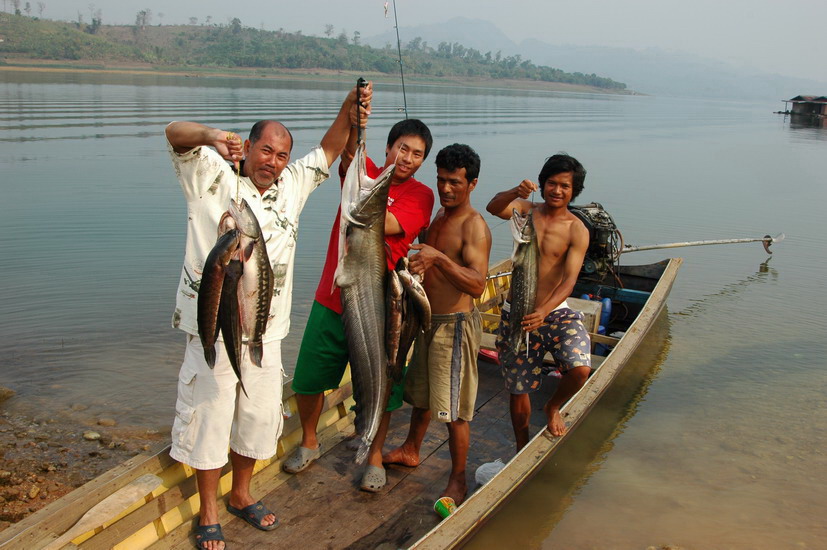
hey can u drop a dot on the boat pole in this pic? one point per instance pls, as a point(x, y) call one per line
point(766, 240)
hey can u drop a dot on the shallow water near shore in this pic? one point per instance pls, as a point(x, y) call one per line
point(719, 441)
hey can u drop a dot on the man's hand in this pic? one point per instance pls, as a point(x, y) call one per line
point(533, 320)
point(365, 97)
point(422, 261)
point(526, 188)
point(229, 145)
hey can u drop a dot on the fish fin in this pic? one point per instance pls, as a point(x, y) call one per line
point(247, 251)
point(240, 383)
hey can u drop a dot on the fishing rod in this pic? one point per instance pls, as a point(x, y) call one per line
point(399, 50)
point(767, 240)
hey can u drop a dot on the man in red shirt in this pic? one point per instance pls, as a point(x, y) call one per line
point(323, 356)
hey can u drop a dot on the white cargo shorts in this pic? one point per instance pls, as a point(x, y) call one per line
point(212, 412)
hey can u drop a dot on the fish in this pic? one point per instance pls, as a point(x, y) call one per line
point(415, 317)
point(360, 274)
point(209, 291)
point(415, 293)
point(255, 288)
point(524, 275)
point(393, 324)
point(229, 317)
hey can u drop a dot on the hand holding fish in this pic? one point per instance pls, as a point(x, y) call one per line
point(526, 188)
point(422, 261)
point(229, 145)
point(361, 109)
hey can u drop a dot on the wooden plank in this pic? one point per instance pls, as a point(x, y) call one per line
point(47, 524)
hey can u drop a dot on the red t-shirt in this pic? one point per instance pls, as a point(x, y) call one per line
point(411, 202)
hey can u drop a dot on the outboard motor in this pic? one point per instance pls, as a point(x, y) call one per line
point(605, 240)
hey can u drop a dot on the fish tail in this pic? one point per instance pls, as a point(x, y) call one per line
point(209, 355)
point(362, 453)
point(240, 383)
point(256, 353)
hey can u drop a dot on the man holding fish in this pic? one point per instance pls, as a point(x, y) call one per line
point(552, 243)
point(256, 211)
point(442, 377)
point(324, 352)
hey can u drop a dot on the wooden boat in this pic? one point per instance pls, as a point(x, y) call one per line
point(127, 508)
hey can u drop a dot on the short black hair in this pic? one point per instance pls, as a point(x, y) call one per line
point(458, 156)
point(411, 127)
point(559, 163)
point(258, 128)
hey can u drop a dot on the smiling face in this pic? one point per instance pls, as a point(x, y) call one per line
point(265, 159)
point(408, 153)
point(453, 187)
point(557, 189)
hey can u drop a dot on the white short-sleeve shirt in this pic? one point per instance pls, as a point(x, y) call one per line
point(209, 183)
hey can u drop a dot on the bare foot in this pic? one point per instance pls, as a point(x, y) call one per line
point(556, 426)
point(402, 455)
point(456, 489)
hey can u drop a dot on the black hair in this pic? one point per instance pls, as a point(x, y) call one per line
point(258, 128)
point(411, 127)
point(458, 156)
point(559, 163)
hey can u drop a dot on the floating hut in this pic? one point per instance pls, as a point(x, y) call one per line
point(811, 105)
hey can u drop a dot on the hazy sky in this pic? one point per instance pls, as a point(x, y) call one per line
point(781, 37)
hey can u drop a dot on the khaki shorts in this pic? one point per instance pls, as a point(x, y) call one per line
point(212, 412)
point(442, 375)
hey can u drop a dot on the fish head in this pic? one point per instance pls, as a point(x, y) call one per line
point(245, 219)
point(522, 226)
point(373, 198)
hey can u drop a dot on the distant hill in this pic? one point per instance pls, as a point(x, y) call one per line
point(237, 46)
point(650, 71)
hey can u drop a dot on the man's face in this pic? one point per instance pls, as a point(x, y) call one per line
point(557, 189)
point(453, 187)
point(408, 153)
point(265, 159)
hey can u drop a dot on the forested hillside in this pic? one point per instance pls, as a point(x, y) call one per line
point(237, 46)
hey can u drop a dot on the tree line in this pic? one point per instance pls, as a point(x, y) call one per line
point(236, 45)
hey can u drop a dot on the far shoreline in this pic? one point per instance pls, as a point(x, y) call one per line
point(314, 75)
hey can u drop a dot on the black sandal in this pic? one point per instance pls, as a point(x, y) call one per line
point(207, 533)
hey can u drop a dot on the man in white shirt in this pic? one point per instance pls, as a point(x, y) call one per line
point(211, 412)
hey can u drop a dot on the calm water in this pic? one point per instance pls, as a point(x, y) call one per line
point(716, 436)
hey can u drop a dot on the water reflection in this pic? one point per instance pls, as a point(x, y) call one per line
point(764, 273)
point(582, 455)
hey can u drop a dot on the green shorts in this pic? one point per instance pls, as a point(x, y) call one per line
point(323, 356)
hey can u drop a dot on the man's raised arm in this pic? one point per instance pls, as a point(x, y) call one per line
point(336, 137)
point(505, 201)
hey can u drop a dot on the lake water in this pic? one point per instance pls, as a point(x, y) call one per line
point(716, 436)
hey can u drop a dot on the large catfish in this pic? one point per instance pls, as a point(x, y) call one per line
point(255, 288)
point(524, 274)
point(361, 275)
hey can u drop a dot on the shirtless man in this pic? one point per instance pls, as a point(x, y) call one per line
point(562, 240)
point(442, 380)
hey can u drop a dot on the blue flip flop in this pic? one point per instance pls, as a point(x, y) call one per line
point(254, 514)
point(207, 533)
